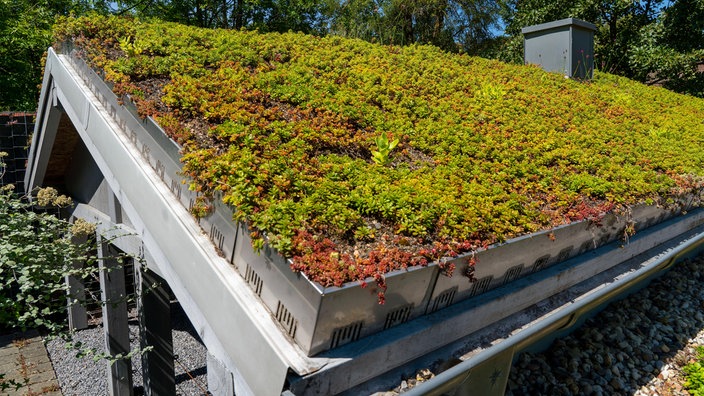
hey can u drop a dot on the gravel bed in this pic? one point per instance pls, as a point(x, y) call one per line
point(84, 376)
point(636, 346)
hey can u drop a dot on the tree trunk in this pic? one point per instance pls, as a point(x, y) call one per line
point(238, 14)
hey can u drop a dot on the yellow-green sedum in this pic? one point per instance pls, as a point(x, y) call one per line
point(285, 126)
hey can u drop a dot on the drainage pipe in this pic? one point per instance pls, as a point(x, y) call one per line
point(458, 379)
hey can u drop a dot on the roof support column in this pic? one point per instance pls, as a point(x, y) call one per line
point(154, 307)
point(77, 315)
point(114, 299)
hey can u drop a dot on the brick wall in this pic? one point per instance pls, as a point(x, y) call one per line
point(15, 130)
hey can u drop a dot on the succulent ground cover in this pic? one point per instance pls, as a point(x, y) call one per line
point(285, 127)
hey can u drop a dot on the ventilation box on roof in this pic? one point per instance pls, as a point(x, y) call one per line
point(564, 46)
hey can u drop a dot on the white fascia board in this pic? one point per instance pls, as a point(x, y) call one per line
point(36, 166)
point(230, 320)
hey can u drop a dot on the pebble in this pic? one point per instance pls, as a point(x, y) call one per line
point(631, 348)
point(80, 376)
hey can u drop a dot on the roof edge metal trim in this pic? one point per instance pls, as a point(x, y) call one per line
point(448, 380)
point(558, 24)
point(205, 283)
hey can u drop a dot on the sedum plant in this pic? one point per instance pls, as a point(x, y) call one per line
point(281, 127)
point(694, 374)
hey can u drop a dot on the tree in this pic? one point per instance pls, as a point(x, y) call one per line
point(25, 34)
point(670, 51)
point(463, 25)
point(307, 16)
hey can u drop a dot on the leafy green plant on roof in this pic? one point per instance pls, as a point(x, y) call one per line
point(383, 148)
point(282, 127)
point(131, 47)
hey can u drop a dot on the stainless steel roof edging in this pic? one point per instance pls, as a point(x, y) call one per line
point(448, 381)
point(203, 281)
point(466, 319)
point(321, 318)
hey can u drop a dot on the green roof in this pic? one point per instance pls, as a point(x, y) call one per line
point(284, 126)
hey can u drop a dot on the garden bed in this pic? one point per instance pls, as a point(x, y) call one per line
point(278, 132)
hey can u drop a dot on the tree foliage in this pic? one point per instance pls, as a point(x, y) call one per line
point(25, 34)
point(452, 25)
point(265, 15)
point(651, 40)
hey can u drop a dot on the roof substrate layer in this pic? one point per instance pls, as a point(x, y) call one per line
point(283, 129)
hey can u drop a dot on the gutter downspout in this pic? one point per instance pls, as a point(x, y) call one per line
point(495, 362)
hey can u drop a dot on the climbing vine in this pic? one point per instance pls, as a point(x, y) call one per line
point(38, 250)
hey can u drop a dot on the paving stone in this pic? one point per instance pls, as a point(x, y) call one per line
point(37, 373)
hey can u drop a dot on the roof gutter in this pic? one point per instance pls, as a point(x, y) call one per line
point(494, 363)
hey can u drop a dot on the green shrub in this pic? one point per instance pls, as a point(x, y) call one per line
point(694, 374)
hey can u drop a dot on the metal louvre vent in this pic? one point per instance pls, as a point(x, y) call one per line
point(253, 280)
point(540, 263)
point(604, 239)
point(176, 188)
point(146, 150)
point(347, 334)
point(286, 319)
point(481, 285)
point(398, 316)
point(443, 300)
point(217, 237)
point(662, 217)
point(512, 273)
point(160, 169)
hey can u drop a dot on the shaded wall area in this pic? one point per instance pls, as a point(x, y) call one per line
point(15, 131)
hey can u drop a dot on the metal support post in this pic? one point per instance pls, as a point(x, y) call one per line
point(76, 295)
point(114, 298)
point(154, 307)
